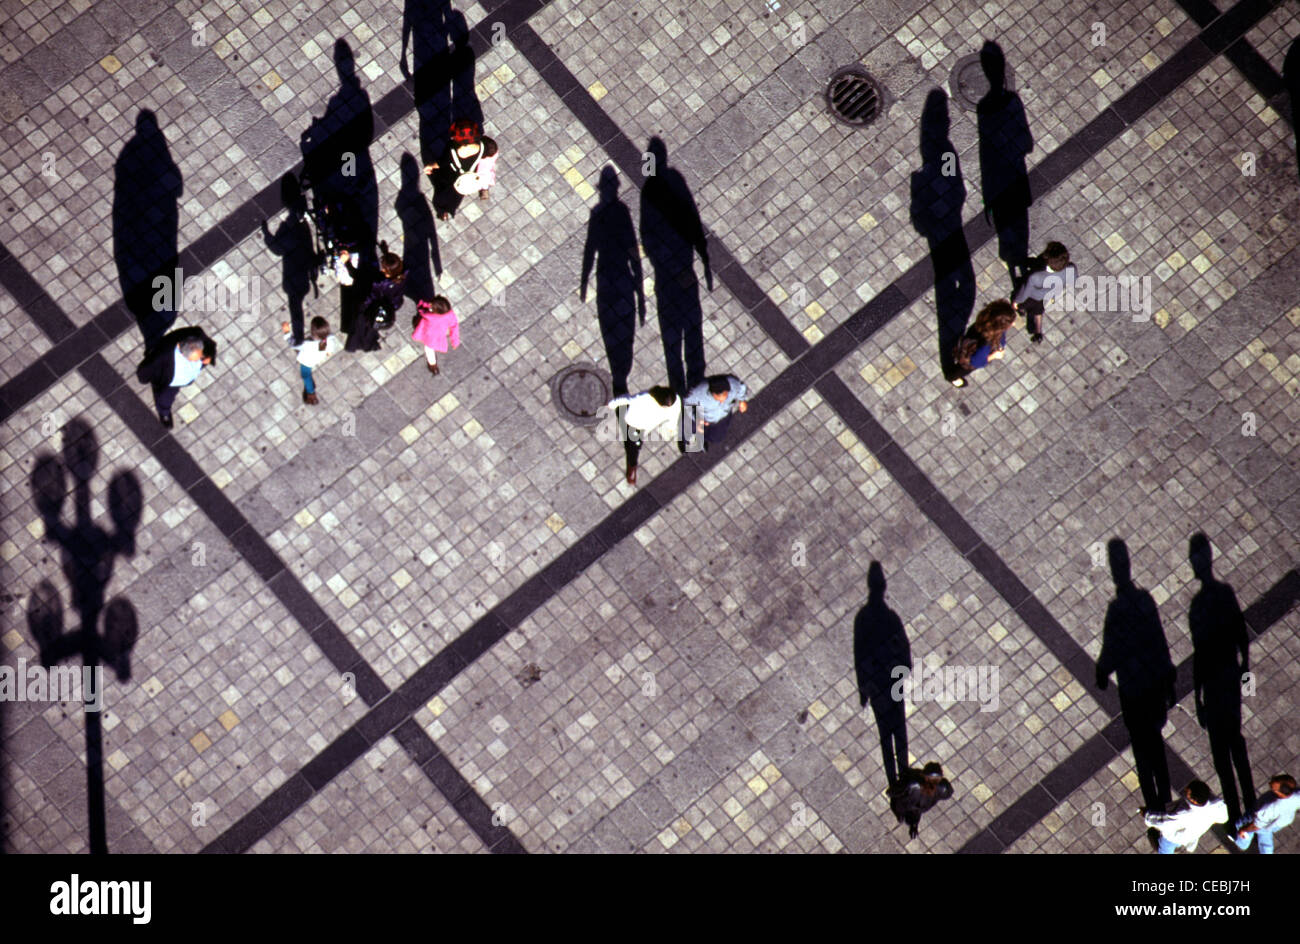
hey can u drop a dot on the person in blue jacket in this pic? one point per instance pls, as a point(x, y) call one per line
point(985, 340)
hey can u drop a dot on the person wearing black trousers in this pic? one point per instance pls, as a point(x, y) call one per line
point(175, 362)
point(378, 310)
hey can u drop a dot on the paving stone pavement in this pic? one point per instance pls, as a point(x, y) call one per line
point(429, 615)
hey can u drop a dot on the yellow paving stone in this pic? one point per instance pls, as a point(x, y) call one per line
point(117, 760)
point(867, 221)
point(847, 439)
point(12, 640)
point(1130, 780)
point(813, 334)
point(262, 17)
point(152, 686)
point(437, 706)
point(223, 49)
point(1167, 130)
point(841, 762)
point(1061, 701)
point(574, 176)
point(1155, 141)
point(814, 311)
point(585, 190)
point(948, 602)
point(571, 349)
point(998, 632)
point(36, 529)
point(1187, 321)
point(472, 428)
point(221, 478)
point(777, 294)
point(409, 434)
point(555, 522)
point(668, 839)
point(758, 785)
point(503, 73)
point(1053, 822)
point(304, 518)
point(906, 365)
point(770, 773)
point(575, 153)
point(1116, 242)
point(184, 779)
point(188, 413)
point(1034, 723)
point(1151, 60)
point(1164, 26)
point(1161, 318)
point(1101, 77)
point(110, 63)
point(732, 807)
point(228, 719)
point(1176, 260)
point(337, 583)
point(744, 821)
point(981, 792)
point(402, 578)
point(893, 376)
point(597, 90)
point(8, 551)
point(535, 208)
point(200, 742)
point(349, 598)
point(869, 373)
point(818, 710)
point(682, 827)
point(272, 80)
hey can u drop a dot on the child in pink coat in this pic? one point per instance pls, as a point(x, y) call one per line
point(435, 325)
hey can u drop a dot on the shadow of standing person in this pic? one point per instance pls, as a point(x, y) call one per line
point(1004, 144)
point(1219, 634)
point(465, 105)
point(292, 242)
point(611, 247)
point(146, 223)
point(1133, 646)
point(938, 195)
point(424, 32)
point(419, 233)
point(880, 650)
point(672, 235)
point(1291, 77)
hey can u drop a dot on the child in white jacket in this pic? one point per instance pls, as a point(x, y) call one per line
point(1189, 820)
point(316, 349)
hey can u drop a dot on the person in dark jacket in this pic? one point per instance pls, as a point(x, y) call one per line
point(916, 792)
point(379, 309)
point(175, 362)
point(468, 163)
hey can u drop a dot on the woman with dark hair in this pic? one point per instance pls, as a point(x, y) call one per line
point(985, 340)
point(916, 792)
point(469, 163)
point(379, 310)
point(1044, 287)
point(658, 408)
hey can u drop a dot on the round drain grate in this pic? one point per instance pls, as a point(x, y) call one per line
point(580, 393)
point(854, 97)
point(969, 84)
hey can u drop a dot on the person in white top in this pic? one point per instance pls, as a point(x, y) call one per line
point(658, 409)
point(1278, 813)
point(1038, 292)
point(316, 349)
point(1188, 820)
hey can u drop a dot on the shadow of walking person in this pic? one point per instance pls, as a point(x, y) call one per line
point(465, 105)
point(880, 653)
point(938, 195)
point(611, 247)
point(336, 155)
point(419, 233)
point(1004, 144)
point(1134, 648)
point(146, 222)
point(292, 242)
point(1291, 77)
point(87, 553)
point(672, 235)
point(1219, 635)
point(424, 32)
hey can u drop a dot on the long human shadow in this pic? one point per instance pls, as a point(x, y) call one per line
point(1004, 145)
point(612, 250)
point(425, 34)
point(1219, 636)
point(419, 233)
point(87, 553)
point(880, 650)
point(672, 236)
point(147, 186)
point(336, 157)
point(292, 242)
point(1291, 77)
point(464, 96)
point(938, 195)
point(1134, 648)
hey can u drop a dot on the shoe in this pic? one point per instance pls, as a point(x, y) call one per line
point(166, 419)
point(433, 369)
point(310, 398)
point(444, 215)
point(1036, 338)
point(959, 382)
point(631, 476)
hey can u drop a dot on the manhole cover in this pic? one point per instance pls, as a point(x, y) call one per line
point(580, 393)
point(854, 97)
point(969, 84)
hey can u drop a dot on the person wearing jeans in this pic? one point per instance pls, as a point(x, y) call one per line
point(712, 405)
point(1189, 820)
point(1277, 813)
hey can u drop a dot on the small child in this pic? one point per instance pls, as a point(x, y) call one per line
point(312, 352)
point(1037, 292)
point(435, 324)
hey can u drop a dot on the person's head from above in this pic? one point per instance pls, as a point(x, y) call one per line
point(664, 396)
point(320, 330)
point(719, 388)
point(192, 349)
point(465, 136)
point(439, 306)
point(1282, 785)
point(993, 319)
point(1056, 256)
point(1197, 793)
point(390, 263)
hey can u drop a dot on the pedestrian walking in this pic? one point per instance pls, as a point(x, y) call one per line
point(713, 403)
point(436, 326)
point(175, 362)
point(1045, 286)
point(383, 299)
point(1272, 815)
point(915, 792)
point(658, 409)
point(1188, 820)
point(315, 350)
point(985, 340)
point(468, 164)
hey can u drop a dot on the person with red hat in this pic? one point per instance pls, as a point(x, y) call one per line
point(469, 163)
